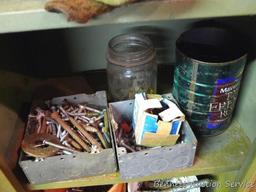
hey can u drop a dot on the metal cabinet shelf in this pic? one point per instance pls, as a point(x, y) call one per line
point(29, 15)
point(219, 154)
point(216, 155)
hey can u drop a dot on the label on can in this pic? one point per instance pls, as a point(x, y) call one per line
point(223, 101)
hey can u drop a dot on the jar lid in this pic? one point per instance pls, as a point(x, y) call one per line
point(130, 50)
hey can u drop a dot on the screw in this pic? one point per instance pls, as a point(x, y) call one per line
point(59, 146)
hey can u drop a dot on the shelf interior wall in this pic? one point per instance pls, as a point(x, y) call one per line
point(29, 15)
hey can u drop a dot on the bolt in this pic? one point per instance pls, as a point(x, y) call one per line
point(90, 129)
point(87, 118)
point(83, 119)
point(73, 134)
point(106, 136)
point(59, 146)
point(79, 115)
point(37, 159)
point(53, 127)
point(119, 134)
point(83, 137)
point(58, 131)
point(94, 149)
point(40, 115)
point(76, 114)
point(63, 133)
point(95, 119)
point(53, 108)
point(66, 143)
point(123, 144)
point(79, 110)
point(90, 109)
point(101, 124)
point(67, 152)
point(63, 137)
point(69, 109)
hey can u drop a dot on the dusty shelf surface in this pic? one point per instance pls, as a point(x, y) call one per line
point(225, 152)
point(28, 15)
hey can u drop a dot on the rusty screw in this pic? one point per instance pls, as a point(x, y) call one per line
point(57, 118)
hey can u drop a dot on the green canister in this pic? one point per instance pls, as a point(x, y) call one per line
point(210, 63)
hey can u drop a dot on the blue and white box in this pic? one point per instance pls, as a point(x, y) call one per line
point(146, 125)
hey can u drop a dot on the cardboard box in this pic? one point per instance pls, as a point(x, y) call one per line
point(150, 130)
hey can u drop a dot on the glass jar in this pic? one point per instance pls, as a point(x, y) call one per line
point(131, 66)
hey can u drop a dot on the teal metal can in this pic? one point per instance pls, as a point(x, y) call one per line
point(209, 68)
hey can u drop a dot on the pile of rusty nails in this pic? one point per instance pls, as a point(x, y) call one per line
point(79, 128)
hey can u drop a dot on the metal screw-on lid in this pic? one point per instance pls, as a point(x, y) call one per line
point(130, 50)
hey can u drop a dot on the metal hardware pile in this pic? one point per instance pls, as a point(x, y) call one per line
point(125, 137)
point(66, 129)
